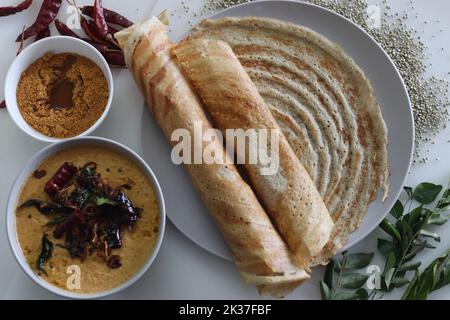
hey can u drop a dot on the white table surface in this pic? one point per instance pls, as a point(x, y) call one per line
point(182, 270)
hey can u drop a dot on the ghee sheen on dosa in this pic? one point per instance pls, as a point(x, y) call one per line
point(325, 106)
point(258, 250)
point(289, 195)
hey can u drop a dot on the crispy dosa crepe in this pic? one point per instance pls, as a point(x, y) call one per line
point(288, 194)
point(257, 249)
point(325, 106)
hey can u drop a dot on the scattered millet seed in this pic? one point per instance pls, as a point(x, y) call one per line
point(217, 5)
point(429, 96)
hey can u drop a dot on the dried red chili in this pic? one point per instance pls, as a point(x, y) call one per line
point(43, 34)
point(110, 16)
point(90, 31)
point(99, 19)
point(64, 30)
point(3, 104)
point(10, 10)
point(99, 46)
point(113, 56)
point(60, 179)
point(109, 40)
point(48, 12)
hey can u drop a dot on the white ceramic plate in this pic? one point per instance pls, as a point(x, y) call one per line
point(184, 207)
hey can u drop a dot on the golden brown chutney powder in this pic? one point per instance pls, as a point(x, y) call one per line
point(62, 95)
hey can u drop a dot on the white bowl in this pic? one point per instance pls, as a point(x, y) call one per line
point(56, 44)
point(32, 165)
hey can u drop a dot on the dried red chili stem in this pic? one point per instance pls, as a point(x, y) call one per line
point(99, 19)
point(10, 10)
point(110, 16)
point(48, 12)
point(3, 104)
point(21, 41)
point(43, 34)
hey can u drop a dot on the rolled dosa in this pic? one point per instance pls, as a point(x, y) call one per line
point(324, 104)
point(257, 249)
point(233, 101)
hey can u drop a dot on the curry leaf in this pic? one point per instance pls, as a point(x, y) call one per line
point(352, 280)
point(433, 278)
point(56, 221)
point(390, 229)
point(410, 266)
point(409, 192)
point(357, 261)
point(423, 243)
point(411, 290)
point(385, 247)
point(325, 291)
point(407, 234)
point(414, 251)
point(99, 201)
point(445, 200)
point(45, 207)
point(362, 294)
point(429, 234)
point(389, 269)
point(388, 277)
point(329, 274)
point(399, 282)
point(415, 217)
point(46, 253)
point(438, 219)
point(397, 210)
point(426, 193)
point(390, 261)
point(444, 278)
point(410, 234)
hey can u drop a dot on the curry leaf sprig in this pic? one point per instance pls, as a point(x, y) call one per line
point(342, 282)
point(433, 278)
point(46, 253)
point(410, 233)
